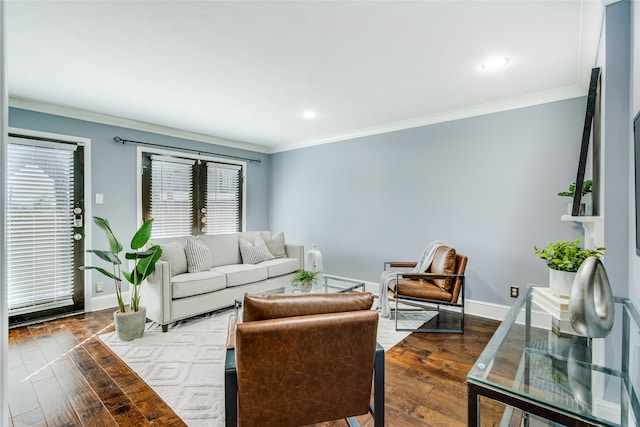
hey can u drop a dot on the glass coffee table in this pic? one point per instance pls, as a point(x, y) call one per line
point(542, 372)
point(328, 285)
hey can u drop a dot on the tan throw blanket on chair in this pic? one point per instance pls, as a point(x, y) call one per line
point(388, 275)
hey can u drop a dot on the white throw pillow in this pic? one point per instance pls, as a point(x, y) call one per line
point(275, 243)
point(253, 253)
point(173, 253)
point(198, 256)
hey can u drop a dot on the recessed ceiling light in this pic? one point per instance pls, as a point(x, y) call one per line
point(495, 63)
point(309, 114)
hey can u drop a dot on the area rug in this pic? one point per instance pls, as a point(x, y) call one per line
point(185, 365)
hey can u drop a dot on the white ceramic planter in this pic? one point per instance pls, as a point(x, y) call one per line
point(560, 282)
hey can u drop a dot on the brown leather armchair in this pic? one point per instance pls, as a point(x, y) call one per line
point(302, 359)
point(441, 285)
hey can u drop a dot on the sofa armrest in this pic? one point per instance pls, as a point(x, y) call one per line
point(158, 296)
point(295, 251)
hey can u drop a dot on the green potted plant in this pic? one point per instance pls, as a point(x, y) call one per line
point(586, 189)
point(304, 279)
point(129, 321)
point(563, 260)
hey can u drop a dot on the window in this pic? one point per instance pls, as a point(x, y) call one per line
point(188, 196)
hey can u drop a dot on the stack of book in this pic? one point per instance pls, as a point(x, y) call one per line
point(557, 306)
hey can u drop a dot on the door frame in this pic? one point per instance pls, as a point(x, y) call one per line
point(88, 202)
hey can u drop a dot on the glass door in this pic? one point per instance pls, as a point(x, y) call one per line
point(45, 228)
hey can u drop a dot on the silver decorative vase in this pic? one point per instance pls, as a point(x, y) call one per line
point(591, 307)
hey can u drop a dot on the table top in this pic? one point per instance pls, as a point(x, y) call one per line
point(326, 284)
point(536, 357)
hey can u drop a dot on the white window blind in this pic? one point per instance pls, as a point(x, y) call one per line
point(223, 199)
point(40, 201)
point(171, 196)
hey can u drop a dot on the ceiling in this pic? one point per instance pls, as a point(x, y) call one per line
point(241, 73)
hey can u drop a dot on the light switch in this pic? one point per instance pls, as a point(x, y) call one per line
point(99, 198)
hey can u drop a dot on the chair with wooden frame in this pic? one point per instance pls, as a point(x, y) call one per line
point(441, 285)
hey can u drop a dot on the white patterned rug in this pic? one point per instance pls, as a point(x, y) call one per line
point(185, 365)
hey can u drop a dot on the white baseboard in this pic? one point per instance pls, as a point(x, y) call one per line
point(474, 308)
point(104, 301)
point(471, 307)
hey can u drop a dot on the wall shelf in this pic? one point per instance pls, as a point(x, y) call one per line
point(593, 229)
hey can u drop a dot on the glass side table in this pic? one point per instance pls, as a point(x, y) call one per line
point(541, 370)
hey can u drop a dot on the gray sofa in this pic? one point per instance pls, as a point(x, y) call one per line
point(174, 293)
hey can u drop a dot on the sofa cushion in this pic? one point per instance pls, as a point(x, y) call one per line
point(240, 274)
point(444, 262)
point(223, 247)
point(281, 266)
point(198, 256)
point(254, 252)
point(275, 243)
point(190, 284)
point(173, 253)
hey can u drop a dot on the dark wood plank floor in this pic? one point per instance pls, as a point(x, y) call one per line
point(60, 374)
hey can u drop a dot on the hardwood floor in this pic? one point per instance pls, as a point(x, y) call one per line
point(60, 374)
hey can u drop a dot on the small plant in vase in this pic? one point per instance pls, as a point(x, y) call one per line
point(304, 279)
point(129, 320)
point(586, 189)
point(563, 260)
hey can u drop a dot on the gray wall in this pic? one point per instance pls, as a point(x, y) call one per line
point(617, 141)
point(485, 185)
point(113, 170)
point(634, 48)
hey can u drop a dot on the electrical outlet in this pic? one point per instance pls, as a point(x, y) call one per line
point(99, 286)
point(514, 292)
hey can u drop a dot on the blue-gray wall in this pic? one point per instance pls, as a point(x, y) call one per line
point(485, 185)
point(617, 144)
point(113, 171)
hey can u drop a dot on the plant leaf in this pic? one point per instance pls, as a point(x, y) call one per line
point(106, 256)
point(147, 265)
point(142, 235)
point(101, 270)
point(114, 243)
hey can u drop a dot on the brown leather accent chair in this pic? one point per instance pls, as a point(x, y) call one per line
point(441, 285)
point(295, 360)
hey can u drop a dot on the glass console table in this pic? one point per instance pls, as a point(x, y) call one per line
point(544, 373)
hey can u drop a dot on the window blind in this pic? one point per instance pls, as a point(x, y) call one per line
point(224, 184)
point(40, 200)
point(171, 203)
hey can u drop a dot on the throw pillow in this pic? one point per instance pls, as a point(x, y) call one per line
point(274, 243)
point(173, 253)
point(444, 262)
point(198, 256)
point(253, 253)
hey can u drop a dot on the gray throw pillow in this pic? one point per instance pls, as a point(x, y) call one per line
point(274, 243)
point(173, 253)
point(198, 256)
point(253, 253)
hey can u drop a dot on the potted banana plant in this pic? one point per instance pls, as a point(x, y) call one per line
point(129, 320)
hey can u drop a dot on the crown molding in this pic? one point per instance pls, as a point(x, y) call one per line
point(106, 119)
point(570, 92)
